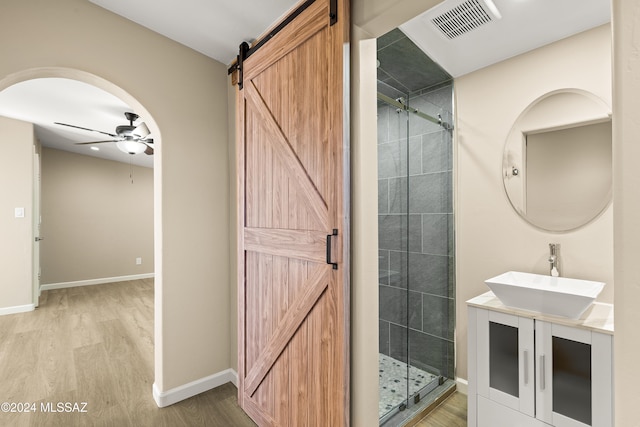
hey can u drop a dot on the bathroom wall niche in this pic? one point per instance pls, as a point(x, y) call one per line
point(557, 160)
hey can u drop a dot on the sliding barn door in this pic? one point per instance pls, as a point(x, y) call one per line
point(293, 275)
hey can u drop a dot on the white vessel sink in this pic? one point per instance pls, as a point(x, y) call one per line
point(558, 296)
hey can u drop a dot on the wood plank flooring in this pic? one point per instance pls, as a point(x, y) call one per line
point(94, 344)
point(451, 413)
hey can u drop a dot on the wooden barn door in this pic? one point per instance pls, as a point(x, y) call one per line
point(293, 275)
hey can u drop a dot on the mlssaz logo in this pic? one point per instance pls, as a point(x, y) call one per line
point(80, 407)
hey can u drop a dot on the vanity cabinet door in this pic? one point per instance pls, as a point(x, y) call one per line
point(505, 360)
point(574, 376)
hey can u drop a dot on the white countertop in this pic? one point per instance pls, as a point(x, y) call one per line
point(597, 318)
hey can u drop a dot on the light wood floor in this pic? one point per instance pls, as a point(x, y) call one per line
point(451, 413)
point(94, 344)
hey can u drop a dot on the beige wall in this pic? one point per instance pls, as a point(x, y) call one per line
point(490, 237)
point(364, 236)
point(184, 93)
point(16, 189)
point(626, 185)
point(95, 219)
point(233, 229)
point(377, 17)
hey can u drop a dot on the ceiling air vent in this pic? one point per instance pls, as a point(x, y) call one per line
point(461, 19)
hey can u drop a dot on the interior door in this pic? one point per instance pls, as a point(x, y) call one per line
point(292, 223)
point(37, 221)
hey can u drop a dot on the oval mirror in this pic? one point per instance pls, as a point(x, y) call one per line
point(556, 164)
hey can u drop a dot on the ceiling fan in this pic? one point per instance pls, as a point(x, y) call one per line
point(129, 138)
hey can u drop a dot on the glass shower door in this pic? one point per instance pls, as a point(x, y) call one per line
point(431, 258)
point(393, 231)
point(415, 224)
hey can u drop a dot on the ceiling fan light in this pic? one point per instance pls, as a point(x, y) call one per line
point(141, 131)
point(131, 147)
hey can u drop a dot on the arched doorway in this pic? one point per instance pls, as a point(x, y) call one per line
point(127, 100)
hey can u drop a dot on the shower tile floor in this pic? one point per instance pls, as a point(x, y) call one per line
point(393, 383)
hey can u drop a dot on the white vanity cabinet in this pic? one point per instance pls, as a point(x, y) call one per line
point(529, 370)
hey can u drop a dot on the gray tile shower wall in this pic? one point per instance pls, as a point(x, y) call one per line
point(415, 221)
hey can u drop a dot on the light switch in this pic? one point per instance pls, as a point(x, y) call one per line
point(19, 213)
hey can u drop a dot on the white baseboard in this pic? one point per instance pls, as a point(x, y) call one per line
point(17, 309)
point(175, 395)
point(95, 281)
point(462, 386)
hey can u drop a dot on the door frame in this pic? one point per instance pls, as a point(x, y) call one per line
point(37, 222)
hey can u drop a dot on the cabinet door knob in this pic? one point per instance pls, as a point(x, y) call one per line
point(525, 360)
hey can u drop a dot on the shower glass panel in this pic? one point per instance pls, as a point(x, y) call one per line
point(415, 223)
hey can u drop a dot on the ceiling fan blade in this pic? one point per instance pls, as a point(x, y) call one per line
point(146, 141)
point(90, 130)
point(96, 142)
point(141, 131)
point(149, 151)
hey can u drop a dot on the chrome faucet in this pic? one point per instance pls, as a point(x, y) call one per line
point(554, 270)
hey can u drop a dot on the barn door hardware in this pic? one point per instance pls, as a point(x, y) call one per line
point(246, 51)
point(242, 55)
point(329, 245)
point(333, 11)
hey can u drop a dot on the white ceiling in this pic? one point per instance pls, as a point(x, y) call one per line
point(524, 25)
point(48, 100)
point(216, 28)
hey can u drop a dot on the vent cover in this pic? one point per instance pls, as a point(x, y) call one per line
point(463, 18)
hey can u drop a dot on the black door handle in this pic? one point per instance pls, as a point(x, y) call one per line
point(329, 241)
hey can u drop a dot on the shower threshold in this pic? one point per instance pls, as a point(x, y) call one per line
point(393, 386)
